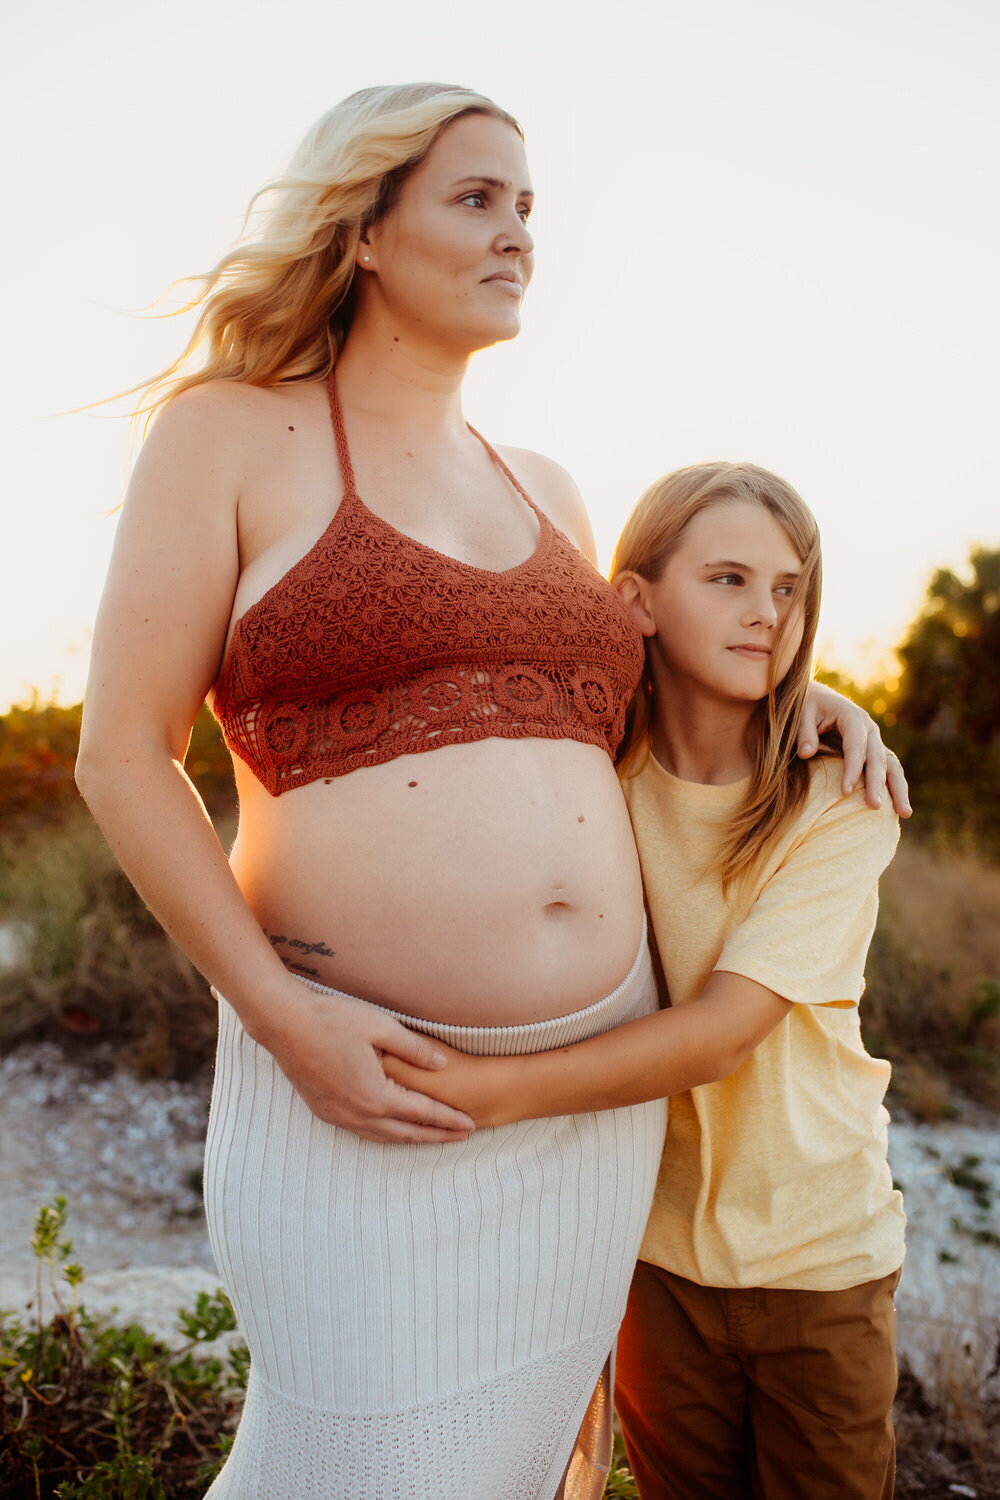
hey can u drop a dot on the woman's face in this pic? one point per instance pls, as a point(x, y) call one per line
point(716, 609)
point(452, 259)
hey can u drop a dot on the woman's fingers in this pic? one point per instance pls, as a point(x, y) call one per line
point(399, 1132)
point(861, 746)
point(412, 1046)
point(883, 772)
point(331, 1051)
point(895, 781)
point(419, 1109)
point(808, 741)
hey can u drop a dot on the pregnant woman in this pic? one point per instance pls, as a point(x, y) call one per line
point(423, 679)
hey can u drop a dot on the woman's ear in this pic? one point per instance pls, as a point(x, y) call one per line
point(634, 591)
point(364, 255)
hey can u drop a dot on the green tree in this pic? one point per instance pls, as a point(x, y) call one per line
point(951, 655)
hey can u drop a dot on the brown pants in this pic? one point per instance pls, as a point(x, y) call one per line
point(775, 1395)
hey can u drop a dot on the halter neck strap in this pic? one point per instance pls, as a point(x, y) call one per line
point(347, 468)
point(340, 434)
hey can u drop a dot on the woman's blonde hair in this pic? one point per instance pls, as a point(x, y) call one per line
point(277, 307)
point(778, 779)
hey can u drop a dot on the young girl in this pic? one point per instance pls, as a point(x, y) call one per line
point(757, 1354)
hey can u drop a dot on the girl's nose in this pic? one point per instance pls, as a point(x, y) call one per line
point(760, 609)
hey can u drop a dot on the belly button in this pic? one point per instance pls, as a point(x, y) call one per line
point(556, 908)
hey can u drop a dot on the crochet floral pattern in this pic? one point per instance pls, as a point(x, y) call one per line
point(374, 646)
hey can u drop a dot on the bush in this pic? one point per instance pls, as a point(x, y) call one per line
point(955, 788)
point(93, 1412)
point(38, 745)
point(38, 748)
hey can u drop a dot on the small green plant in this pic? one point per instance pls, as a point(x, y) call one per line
point(965, 1176)
point(978, 1235)
point(89, 1411)
point(620, 1485)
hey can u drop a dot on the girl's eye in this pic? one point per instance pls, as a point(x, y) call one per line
point(727, 578)
point(786, 590)
point(524, 213)
point(478, 200)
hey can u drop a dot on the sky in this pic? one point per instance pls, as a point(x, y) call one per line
point(765, 231)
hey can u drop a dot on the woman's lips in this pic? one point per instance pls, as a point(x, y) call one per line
point(754, 653)
point(507, 284)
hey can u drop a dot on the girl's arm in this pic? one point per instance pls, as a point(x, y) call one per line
point(157, 647)
point(665, 1053)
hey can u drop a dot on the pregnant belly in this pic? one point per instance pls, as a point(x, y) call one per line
point(486, 884)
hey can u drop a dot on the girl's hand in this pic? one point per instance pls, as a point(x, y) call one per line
point(482, 1087)
point(337, 1053)
point(863, 749)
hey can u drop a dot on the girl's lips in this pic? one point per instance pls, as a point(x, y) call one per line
point(755, 653)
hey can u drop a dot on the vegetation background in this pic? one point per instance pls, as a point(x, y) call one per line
point(82, 961)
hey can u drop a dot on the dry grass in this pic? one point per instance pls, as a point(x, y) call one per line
point(96, 965)
point(933, 999)
point(948, 1430)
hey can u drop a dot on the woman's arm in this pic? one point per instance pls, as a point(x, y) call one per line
point(863, 749)
point(157, 647)
point(658, 1055)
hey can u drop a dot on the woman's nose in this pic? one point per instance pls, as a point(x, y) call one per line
point(515, 238)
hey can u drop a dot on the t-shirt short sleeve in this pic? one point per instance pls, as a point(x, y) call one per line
point(807, 934)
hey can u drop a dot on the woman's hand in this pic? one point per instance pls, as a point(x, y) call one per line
point(863, 748)
point(339, 1055)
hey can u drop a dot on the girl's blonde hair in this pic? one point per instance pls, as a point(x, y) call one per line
point(779, 779)
point(277, 307)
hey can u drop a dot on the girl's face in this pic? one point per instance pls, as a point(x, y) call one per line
point(453, 258)
point(714, 613)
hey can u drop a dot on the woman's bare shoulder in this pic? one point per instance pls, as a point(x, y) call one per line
point(555, 491)
point(219, 411)
point(221, 433)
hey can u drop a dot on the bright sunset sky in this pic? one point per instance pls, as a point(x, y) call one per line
point(764, 230)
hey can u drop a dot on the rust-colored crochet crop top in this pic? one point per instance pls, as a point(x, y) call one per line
point(374, 646)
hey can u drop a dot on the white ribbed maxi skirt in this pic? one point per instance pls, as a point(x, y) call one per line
point(426, 1322)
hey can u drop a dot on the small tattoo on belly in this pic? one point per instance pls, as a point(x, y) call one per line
point(278, 940)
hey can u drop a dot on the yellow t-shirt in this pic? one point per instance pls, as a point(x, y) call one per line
point(777, 1176)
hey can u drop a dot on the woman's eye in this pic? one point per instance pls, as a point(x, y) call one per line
point(727, 578)
point(786, 590)
point(524, 213)
point(478, 200)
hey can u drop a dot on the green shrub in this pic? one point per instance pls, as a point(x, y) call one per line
point(93, 1412)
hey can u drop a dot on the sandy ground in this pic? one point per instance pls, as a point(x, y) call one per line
point(127, 1156)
